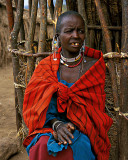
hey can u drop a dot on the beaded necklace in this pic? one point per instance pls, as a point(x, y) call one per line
point(74, 59)
point(71, 66)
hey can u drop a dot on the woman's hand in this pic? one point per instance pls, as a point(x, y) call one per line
point(63, 133)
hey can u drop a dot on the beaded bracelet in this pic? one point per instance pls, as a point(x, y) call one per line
point(53, 125)
point(58, 125)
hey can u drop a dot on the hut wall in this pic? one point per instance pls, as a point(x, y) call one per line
point(4, 35)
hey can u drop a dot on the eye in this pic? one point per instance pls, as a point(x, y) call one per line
point(81, 31)
point(68, 31)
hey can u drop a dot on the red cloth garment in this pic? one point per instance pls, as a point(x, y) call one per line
point(84, 101)
point(39, 151)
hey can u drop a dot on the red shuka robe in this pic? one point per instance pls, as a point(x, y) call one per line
point(84, 101)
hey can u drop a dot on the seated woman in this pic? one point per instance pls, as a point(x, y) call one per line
point(64, 103)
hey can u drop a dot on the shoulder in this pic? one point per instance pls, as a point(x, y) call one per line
point(93, 53)
point(45, 60)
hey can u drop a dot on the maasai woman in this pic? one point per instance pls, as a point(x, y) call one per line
point(64, 103)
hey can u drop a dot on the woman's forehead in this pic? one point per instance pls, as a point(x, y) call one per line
point(72, 20)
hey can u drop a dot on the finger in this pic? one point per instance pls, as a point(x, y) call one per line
point(61, 139)
point(59, 143)
point(55, 136)
point(71, 126)
point(68, 132)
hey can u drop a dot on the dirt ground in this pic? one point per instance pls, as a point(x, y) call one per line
point(7, 109)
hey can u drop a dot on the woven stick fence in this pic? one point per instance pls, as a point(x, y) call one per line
point(101, 33)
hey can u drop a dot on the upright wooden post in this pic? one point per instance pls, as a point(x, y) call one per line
point(107, 38)
point(30, 7)
point(43, 28)
point(22, 32)
point(10, 14)
point(108, 49)
point(30, 60)
point(81, 9)
point(15, 60)
point(57, 13)
point(110, 63)
point(51, 7)
point(71, 5)
point(123, 141)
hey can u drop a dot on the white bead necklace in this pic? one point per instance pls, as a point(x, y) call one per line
point(71, 59)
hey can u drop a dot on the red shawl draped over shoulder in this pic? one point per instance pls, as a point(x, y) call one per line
point(84, 101)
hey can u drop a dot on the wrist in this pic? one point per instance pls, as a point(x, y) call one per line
point(56, 124)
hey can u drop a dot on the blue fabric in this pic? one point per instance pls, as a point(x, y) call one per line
point(81, 145)
point(52, 110)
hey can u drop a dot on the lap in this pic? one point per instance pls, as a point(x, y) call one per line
point(39, 151)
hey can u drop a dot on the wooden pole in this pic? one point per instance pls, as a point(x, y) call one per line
point(81, 9)
point(108, 49)
point(71, 5)
point(123, 143)
point(43, 28)
point(89, 6)
point(32, 26)
point(51, 7)
point(10, 14)
point(110, 63)
point(30, 7)
point(57, 13)
point(106, 35)
point(15, 60)
point(22, 32)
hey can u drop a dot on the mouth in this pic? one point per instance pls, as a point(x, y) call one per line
point(76, 44)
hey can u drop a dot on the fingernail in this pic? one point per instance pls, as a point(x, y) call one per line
point(65, 142)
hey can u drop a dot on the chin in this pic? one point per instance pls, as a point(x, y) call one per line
point(75, 50)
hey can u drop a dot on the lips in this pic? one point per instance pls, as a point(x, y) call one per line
point(76, 44)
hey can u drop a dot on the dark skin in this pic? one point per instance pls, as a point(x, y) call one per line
point(71, 37)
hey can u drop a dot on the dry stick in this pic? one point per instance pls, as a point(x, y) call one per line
point(81, 9)
point(22, 31)
point(43, 28)
point(32, 26)
point(110, 63)
point(123, 147)
point(107, 38)
point(71, 5)
point(10, 14)
point(57, 13)
point(109, 49)
point(15, 61)
point(30, 7)
point(117, 33)
point(51, 7)
point(90, 17)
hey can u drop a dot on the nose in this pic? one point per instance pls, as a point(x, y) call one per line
point(75, 34)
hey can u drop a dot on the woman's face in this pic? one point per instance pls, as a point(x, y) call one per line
point(72, 34)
